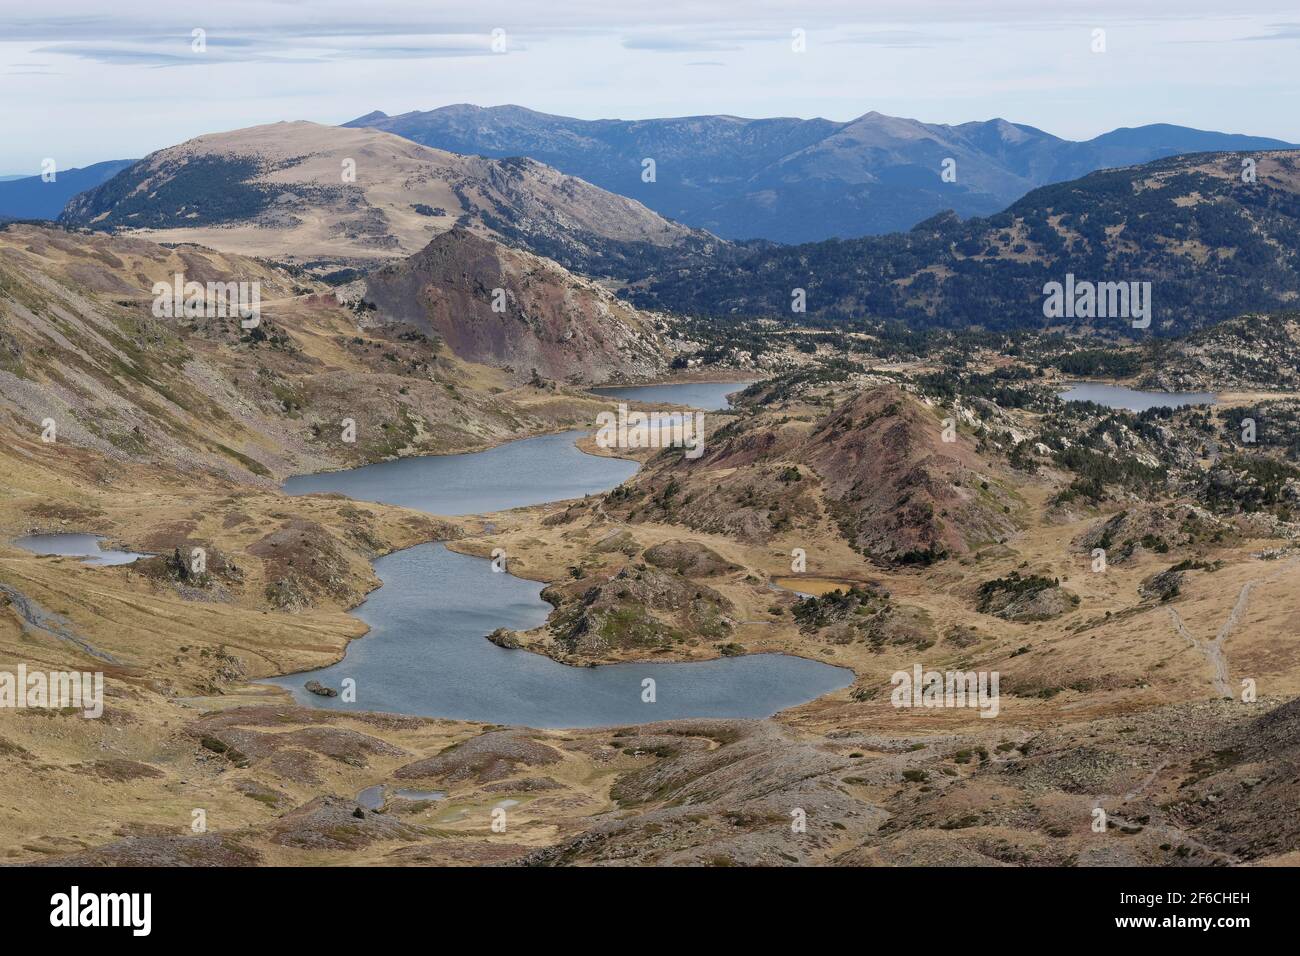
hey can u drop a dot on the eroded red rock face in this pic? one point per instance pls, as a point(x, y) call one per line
point(508, 308)
point(902, 492)
point(875, 469)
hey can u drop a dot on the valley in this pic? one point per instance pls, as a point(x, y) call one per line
point(901, 479)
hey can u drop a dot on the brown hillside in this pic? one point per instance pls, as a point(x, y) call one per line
point(875, 471)
point(899, 492)
point(552, 321)
point(280, 190)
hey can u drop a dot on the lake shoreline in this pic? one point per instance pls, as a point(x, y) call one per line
point(276, 683)
point(456, 521)
point(825, 672)
point(1126, 398)
point(586, 445)
point(488, 445)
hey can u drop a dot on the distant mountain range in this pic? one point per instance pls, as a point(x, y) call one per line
point(31, 197)
point(1211, 241)
point(794, 180)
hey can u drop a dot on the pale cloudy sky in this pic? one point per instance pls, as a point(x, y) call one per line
point(89, 80)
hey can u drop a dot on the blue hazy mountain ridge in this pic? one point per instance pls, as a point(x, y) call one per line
point(794, 180)
point(31, 197)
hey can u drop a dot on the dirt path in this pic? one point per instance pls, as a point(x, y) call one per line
point(1150, 779)
point(1213, 650)
point(1173, 833)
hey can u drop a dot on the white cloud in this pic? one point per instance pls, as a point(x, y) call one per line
point(85, 85)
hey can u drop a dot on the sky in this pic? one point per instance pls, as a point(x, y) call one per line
point(91, 80)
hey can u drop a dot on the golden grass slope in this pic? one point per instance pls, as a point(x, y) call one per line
point(80, 345)
point(316, 212)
